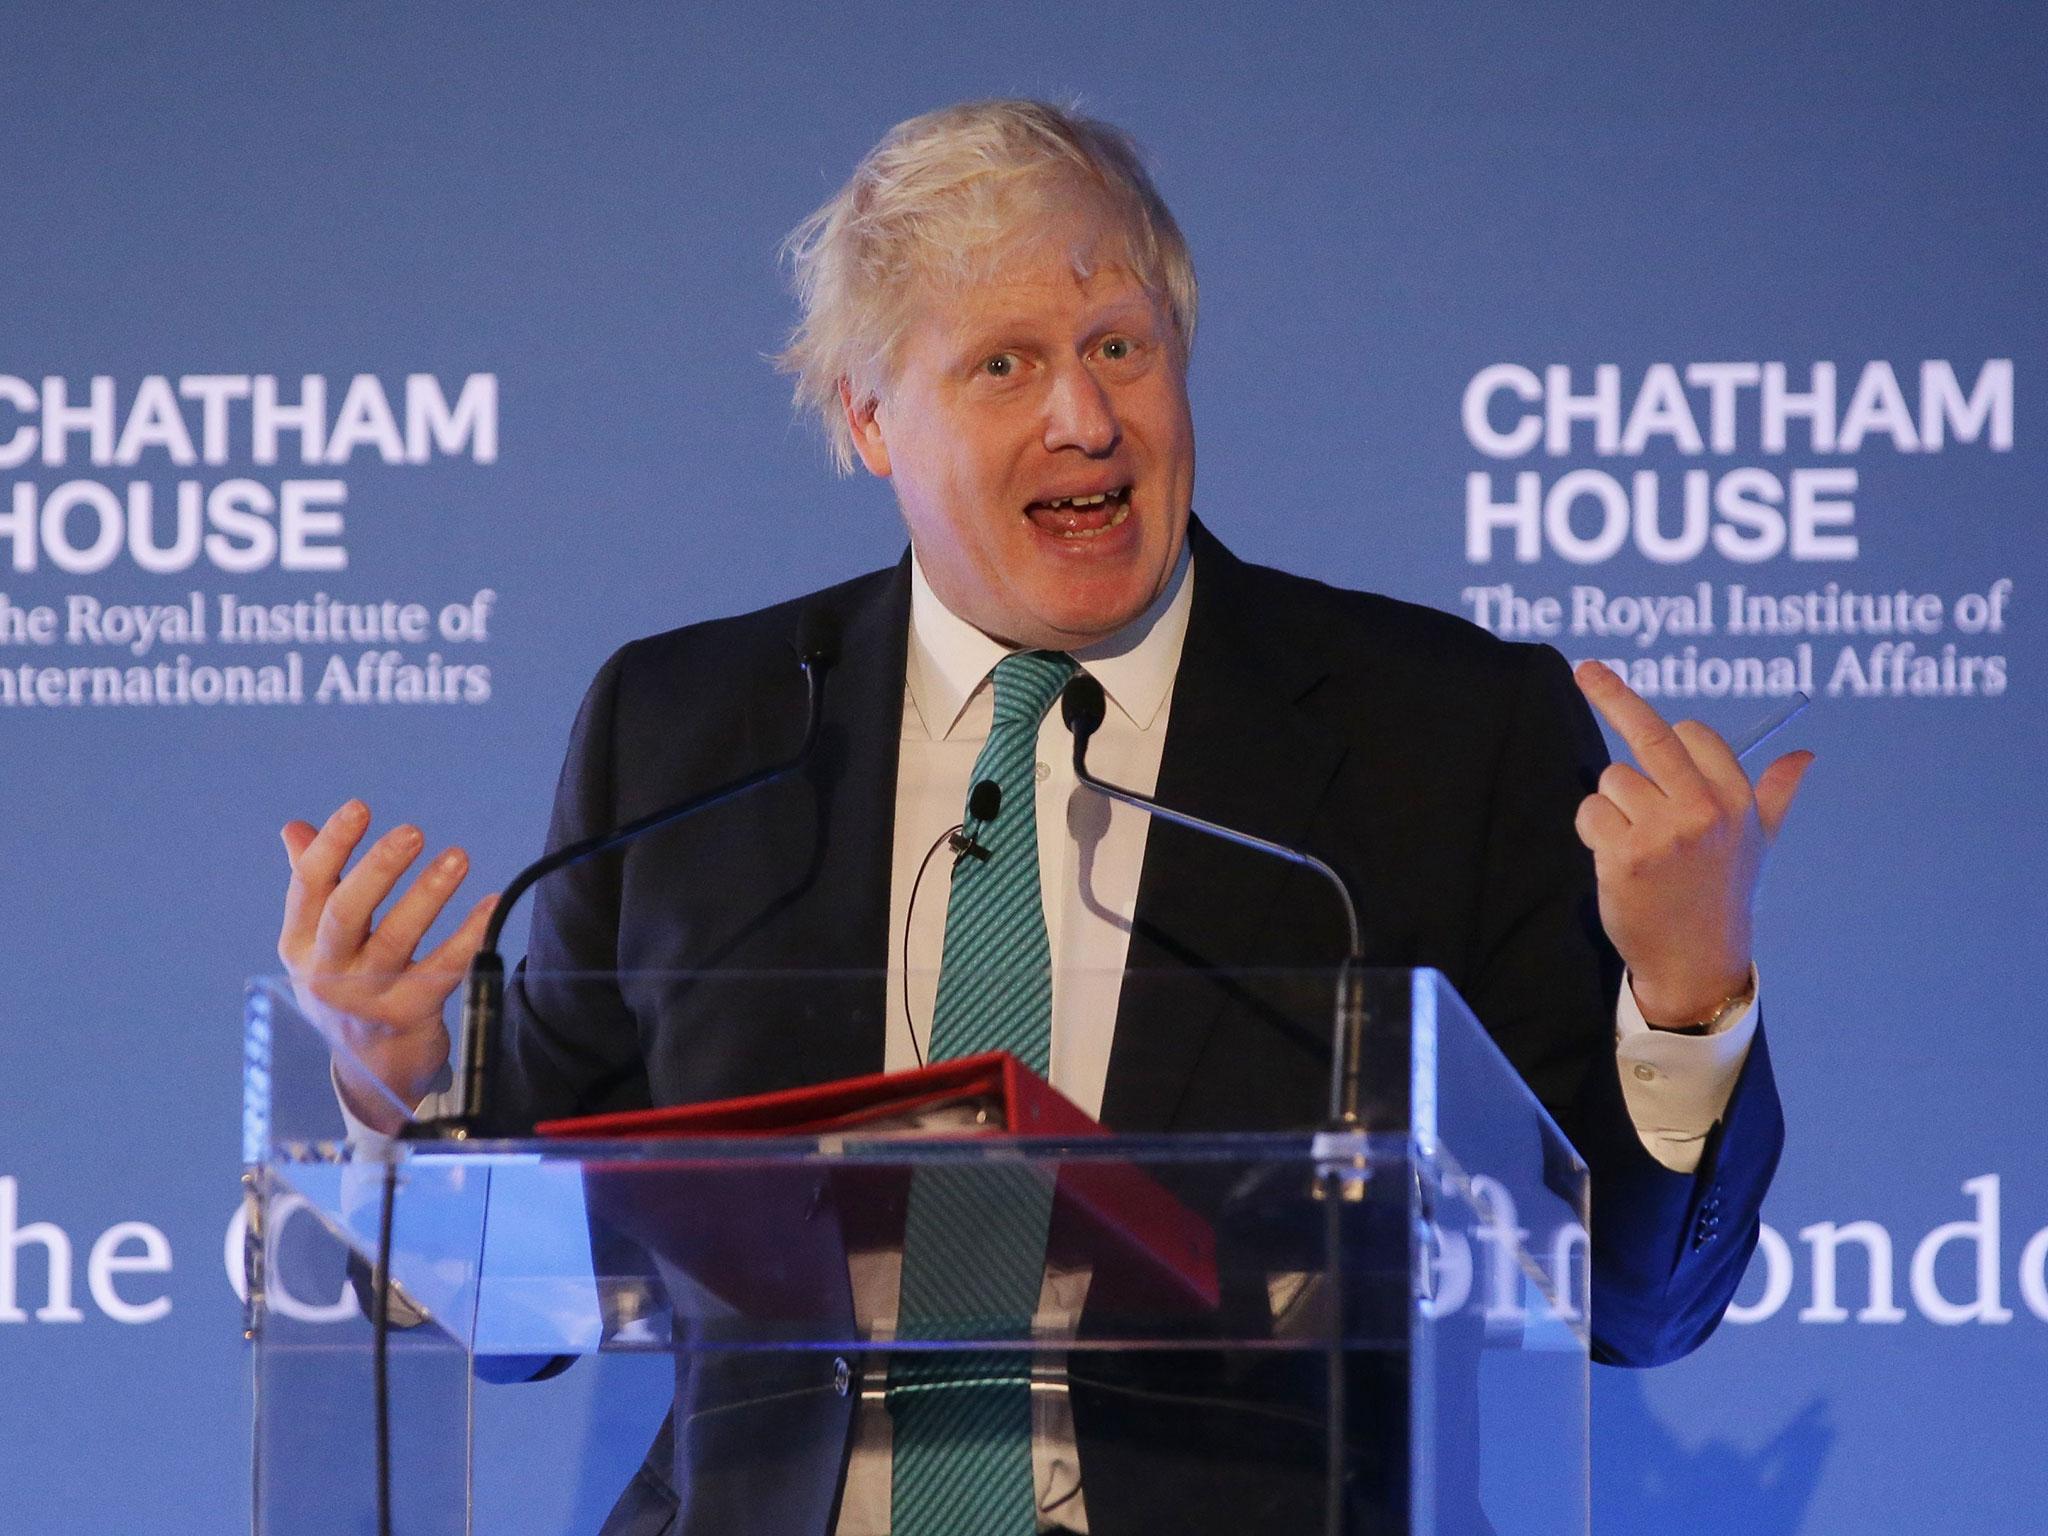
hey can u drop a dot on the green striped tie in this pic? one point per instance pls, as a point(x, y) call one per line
point(974, 1236)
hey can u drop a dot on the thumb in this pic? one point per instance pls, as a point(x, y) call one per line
point(1776, 786)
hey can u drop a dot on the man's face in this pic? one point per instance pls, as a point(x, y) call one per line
point(1037, 432)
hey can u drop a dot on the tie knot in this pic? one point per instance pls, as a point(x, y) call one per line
point(1028, 682)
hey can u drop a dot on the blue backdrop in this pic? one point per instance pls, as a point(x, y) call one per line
point(1596, 303)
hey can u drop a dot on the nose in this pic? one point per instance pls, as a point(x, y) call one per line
point(1080, 414)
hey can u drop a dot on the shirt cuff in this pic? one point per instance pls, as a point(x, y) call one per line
point(1678, 1086)
point(366, 1142)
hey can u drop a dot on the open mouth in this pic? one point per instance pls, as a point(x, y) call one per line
point(1081, 517)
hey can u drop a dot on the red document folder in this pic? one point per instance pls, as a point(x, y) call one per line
point(1145, 1247)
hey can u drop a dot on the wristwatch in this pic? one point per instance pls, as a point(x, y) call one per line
point(1735, 1002)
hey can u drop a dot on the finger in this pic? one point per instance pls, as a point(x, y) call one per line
point(1600, 823)
point(296, 835)
point(1630, 793)
point(456, 951)
point(346, 921)
point(1714, 758)
point(1776, 786)
point(321, 861)
point(314, 872)
point(1655, 745)
point(390, 947)
point(426, 985)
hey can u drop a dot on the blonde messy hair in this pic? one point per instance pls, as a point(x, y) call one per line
point(943, 198)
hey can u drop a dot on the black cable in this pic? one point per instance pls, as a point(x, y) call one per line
point(984, 802)
point(1336, 1434)
point(909, 913)
point(380, 1344)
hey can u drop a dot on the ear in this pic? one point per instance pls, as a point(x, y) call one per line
point(861, 421)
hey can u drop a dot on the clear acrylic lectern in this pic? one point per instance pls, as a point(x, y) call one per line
point(1381, 1331)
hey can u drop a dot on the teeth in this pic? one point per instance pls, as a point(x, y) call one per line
point(1082, 501)
point(1116, 519)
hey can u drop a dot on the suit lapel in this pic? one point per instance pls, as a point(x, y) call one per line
point(1240, 751)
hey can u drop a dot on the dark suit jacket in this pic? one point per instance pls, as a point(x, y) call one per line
point(1437, 767)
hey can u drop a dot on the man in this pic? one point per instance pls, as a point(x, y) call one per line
point(998, 312)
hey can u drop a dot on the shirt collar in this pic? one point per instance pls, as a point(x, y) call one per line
point(949, 658)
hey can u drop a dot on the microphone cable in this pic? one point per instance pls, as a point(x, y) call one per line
point(984, 801)
point(380, 1341)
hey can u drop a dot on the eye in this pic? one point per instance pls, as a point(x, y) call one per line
point(1002, 366)
point(1118, 348)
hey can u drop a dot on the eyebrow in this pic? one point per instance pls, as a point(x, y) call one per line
point(989, 333)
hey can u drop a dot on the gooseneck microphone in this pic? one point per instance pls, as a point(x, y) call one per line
point(483, 994)
point(1082, 706)
point(483, 1007)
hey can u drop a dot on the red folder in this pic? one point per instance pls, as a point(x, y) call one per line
point(1147, 1250)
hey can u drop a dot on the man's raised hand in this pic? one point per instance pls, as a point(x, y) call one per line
point(1678, 845)
point(355, 976)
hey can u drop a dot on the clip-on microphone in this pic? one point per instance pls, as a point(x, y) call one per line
point(983, 802)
